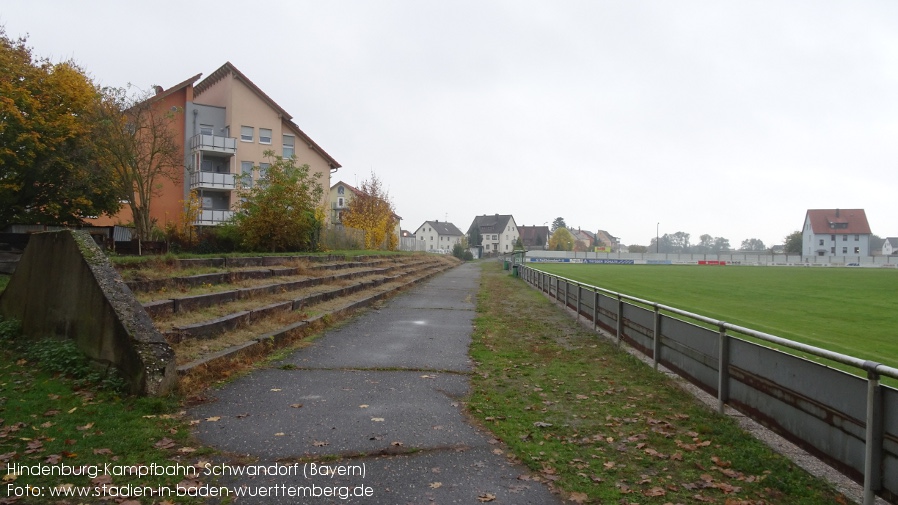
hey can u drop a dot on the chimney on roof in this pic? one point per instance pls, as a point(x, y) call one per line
point(837, 212)
point(158, 89)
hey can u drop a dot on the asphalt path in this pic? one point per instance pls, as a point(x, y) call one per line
point(370, 413)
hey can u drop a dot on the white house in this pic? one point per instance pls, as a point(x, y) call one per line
point(890, 246)
point(835, 232)
point(437, 235)
point(497, 233)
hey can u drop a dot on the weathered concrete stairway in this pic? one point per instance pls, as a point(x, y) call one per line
point(248, 306)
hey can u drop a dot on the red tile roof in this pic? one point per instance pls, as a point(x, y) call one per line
point(838, 221)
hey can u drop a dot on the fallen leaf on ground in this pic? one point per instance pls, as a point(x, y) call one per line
point(578, 497)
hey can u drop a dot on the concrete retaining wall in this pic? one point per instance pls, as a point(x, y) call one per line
point(65, 287)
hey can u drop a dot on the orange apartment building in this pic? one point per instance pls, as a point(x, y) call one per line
point(228, 123)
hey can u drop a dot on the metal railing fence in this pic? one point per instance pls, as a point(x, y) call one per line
point(849, 421)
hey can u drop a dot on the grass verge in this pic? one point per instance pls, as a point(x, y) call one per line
point(599, 426)
point(55, 423)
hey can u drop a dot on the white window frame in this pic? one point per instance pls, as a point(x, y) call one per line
point(264, 139)
point(244, 172)
point(243, 133)
point(291, 146)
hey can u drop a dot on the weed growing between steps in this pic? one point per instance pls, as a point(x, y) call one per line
point(53, 421)
point(599, 426)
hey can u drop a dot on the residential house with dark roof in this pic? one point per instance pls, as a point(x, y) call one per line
point(608, 240)
point(534, 237)
point(584, 240)
point(438, 236)
point(496, 233)
point(890, 246)
point(836, 232)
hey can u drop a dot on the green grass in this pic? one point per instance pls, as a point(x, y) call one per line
point(52, 420)
point(602, 427)
point(847, 310)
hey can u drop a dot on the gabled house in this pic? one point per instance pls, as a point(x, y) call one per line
point(534, 237)
point(890, 246)
point(835, 232)
point(231, 123)
point(340, 196)
point(607, 240)
point(226, 123)
point(496, 234)
point(584, 240)
point(438, 236)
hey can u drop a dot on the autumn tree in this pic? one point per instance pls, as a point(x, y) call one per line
point(50, 171)
point(281, 211)
point(140, 141)
point(371, 211)
point(561, 240)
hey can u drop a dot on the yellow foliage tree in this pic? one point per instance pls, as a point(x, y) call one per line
point(371, 211)
point(561, 240)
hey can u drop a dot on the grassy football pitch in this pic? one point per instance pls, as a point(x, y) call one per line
point(853, 311)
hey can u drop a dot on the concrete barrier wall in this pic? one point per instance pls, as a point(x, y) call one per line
point(65, 287)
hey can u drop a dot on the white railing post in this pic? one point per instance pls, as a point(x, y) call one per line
point(874, 436)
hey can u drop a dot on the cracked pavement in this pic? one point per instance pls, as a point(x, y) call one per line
point(378, 400)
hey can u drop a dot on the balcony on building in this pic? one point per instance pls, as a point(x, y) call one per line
point(213, 144)
point(213, 180)
point(213, 217)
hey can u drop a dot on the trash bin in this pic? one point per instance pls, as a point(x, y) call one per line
point(514, 270)
point(506, 265)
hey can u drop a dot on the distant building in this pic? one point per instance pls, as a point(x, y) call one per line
point(497, 234)
point(584, 240)
point(836, 232)
point(340, 195)
point(890, 246)
point(438, 236)
point(534, 237)
point(608, 240)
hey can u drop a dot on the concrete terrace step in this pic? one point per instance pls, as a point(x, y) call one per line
point(216, 326)
point(158, 308)
point(216, 361)
point(231, 276)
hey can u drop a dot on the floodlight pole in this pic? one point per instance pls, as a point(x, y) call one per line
point(657, 244)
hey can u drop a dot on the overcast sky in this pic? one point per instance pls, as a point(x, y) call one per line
point(725, 118)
